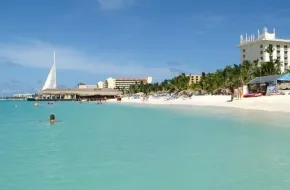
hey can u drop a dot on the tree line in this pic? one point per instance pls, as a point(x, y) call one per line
point(230, 77)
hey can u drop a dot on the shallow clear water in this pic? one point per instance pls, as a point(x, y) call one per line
point(117, 146)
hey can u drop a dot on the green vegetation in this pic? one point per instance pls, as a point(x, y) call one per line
point(229, 78)
point(175, 84)
point(233, 76)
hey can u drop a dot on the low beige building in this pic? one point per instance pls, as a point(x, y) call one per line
point(193, 79)
point(120, 83)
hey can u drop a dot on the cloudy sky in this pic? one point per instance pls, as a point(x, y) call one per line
point(97, 39)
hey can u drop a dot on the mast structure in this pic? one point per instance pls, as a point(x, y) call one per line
point(50, 82)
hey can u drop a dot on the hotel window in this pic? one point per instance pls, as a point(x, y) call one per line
point(261, 52)
point(278, 52)
point(261, 46)
point(270, 46)
point(244, 56)
point(285, 53)
point(285, 47)
point(278, 57)
point(261, 58)
point(278, 46)
point(244, 50)
point(285, 58)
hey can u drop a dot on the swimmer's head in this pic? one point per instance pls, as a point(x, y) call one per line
point(52, 118)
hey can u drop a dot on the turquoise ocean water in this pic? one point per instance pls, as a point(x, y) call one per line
point(125, 147)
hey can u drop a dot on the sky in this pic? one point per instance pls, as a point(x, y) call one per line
point(98, 39)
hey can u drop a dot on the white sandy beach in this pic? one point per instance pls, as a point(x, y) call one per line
point(280, 103)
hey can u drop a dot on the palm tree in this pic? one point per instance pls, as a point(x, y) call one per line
point(180, 82)
point(238, 72)
point(133, 88)
point(230, 77)
point(165, 85)
point(123, 90)
point(270, 49)
point(228, 74)
point(287, 71)
point(271, 68)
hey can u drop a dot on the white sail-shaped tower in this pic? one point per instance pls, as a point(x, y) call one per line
point(50, 82)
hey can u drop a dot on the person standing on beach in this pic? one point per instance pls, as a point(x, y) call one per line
point(232, 97)
point(240, 93)
point(232, 90)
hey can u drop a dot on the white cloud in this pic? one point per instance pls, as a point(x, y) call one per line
point(39, 54)
point(115, 4)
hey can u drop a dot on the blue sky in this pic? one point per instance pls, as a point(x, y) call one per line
point(97, 39)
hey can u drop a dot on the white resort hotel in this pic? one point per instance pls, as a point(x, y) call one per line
point(253, 48)
point(121, 83)
point(117, 83)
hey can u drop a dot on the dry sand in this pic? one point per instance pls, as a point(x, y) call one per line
point(280, 103)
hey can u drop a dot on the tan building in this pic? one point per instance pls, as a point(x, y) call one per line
point(193, 79)
point(120, 83)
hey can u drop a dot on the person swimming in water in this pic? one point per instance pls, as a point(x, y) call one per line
point(52, 118)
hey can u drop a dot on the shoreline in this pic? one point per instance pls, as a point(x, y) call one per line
point(279, 103)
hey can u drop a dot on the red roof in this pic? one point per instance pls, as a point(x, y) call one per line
point(81, 83)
